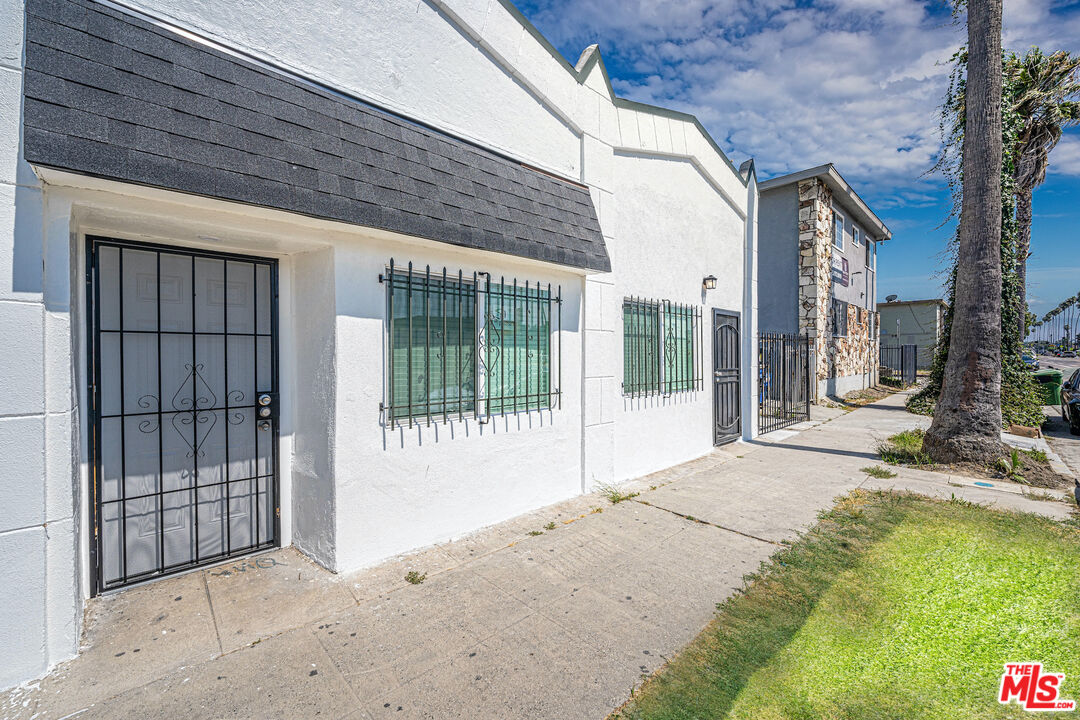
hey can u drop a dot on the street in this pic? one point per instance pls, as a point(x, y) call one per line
point(1066, 365)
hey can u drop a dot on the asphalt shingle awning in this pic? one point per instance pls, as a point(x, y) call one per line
point(109, 95)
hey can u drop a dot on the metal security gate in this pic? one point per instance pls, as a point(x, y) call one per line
point(727, 418)
point(899, 362)
point(184, 393)
point(783, 380)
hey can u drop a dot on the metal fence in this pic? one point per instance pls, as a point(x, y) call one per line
point(783, 380)
point(898, 362)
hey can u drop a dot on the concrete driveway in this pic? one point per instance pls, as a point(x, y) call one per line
point(561, 624)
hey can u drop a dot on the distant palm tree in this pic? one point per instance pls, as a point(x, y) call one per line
point(967, 417)
point(1045, 91)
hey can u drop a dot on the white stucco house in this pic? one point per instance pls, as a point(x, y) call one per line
point(354, 277)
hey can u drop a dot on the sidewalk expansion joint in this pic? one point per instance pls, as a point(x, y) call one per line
point(691, 518)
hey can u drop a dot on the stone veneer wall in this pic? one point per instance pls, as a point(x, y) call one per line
point(857, 353)
point(815, 267)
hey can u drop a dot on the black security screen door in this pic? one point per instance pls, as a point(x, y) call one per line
point(183, 372)
point(727, 424)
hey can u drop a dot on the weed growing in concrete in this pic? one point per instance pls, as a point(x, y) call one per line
point(878, 472)
point(534, 533)
point(614, 495)
point(550, 525)
point(414, 578)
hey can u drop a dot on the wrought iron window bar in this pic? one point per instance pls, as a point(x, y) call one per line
point(662, 347)
point(505, 356)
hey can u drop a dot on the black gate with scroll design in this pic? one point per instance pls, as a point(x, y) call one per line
point(783, 380)
point(727, 364)
point(184, 396)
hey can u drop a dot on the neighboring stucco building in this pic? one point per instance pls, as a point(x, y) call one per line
point(355, 277)
point(817, 256)
point(914, 322)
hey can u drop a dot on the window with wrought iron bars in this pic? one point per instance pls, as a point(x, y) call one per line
point(466, 345)
point(661, 347)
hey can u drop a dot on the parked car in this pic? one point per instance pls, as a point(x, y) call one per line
point(1070, 402)
point(1031, 362)
point(1069, 354)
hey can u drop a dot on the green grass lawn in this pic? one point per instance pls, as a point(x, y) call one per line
point(894, 606)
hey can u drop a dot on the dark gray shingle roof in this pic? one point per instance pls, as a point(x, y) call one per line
point(109, 95)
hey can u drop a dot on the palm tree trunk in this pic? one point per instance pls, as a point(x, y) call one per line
point(1023, 222)
point(967, 419)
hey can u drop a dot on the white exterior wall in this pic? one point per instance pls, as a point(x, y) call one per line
point(403, 488)
point(672, 210)
point(407, 56)
point(672, 229)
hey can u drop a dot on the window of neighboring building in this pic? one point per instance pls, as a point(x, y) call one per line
point(869, 250)
point(838, 230)
point(839, 318)
point(855, 236)
point(660, 347)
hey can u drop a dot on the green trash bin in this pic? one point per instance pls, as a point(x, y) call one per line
point(1050, 385)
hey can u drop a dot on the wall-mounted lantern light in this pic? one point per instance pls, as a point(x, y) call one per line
point(709, 282)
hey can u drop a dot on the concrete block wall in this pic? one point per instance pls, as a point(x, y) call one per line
point(38, 463)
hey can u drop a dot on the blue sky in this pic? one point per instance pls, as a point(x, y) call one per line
point(797, 83)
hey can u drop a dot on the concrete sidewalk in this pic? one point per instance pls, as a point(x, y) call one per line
point(506, 624)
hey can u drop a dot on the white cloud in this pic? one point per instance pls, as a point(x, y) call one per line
point(853, 82)
point(1065, 158)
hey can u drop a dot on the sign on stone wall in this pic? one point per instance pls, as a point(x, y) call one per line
point(840, 270)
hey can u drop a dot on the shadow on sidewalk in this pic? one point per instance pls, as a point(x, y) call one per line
point(825, 451)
